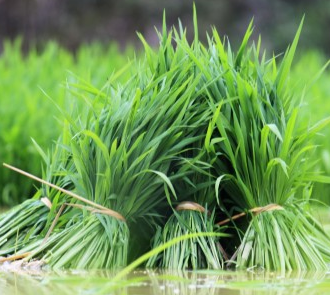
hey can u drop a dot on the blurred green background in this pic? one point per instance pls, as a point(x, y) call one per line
point(72, 22)
point(43, 42)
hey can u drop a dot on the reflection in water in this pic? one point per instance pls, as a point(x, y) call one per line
point(242, 283)
point(16, 281)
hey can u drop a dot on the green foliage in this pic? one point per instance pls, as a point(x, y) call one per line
point(27, 113)
point(120, 152)
point(195, 182)
point(260, 155)
point(265, 158)
point(192, 123)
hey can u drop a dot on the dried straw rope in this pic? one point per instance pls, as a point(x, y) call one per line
point(188, 205)
point(256, 211)
point(100, 209)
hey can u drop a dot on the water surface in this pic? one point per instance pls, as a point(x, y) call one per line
point(146, 282)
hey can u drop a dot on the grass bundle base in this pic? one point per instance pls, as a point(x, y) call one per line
point(196, 253)
point(21, 225)
point(299, 240)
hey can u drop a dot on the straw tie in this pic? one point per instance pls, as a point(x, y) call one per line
point(95, 209)
point(47, 202)
point(192, 206)
point(256, 211)
point(15, 257)
point(106, 211)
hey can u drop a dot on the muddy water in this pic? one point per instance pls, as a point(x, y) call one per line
point(36, 282)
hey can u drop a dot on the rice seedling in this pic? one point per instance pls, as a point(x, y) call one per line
point(196, 200)
point(197, 253)
point(122, 154)
point(264, 160)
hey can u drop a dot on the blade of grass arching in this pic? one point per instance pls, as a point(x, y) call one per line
point(200, 64)
point(196, 39)
point(220, 47)
point(166, 180)
point(314, 130)
point(158, 250)
point(64, 113)
point(276, 131)
point(148, 52)
point(271, 166)
point(298, 158)
point(319, 126)
point(316, 77)
point(285, 67)
point(242, 48)
point(210, 129)
point(288, 136)
point(316, 178)
point(88, 88)
point(40, 151)
point(219, 123)
point(239, 131)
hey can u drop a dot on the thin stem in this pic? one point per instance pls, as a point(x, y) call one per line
point(71, 194)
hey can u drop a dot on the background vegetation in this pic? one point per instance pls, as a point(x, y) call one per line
point(32, 86)
point(316, 106)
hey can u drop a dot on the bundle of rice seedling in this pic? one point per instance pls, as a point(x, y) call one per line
point(264, 161)
point(22, 224)
point(27, 222)
point(196, 202)
point(261, 159)
point(124, 154)
point(195, 135)
point(195, 253)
